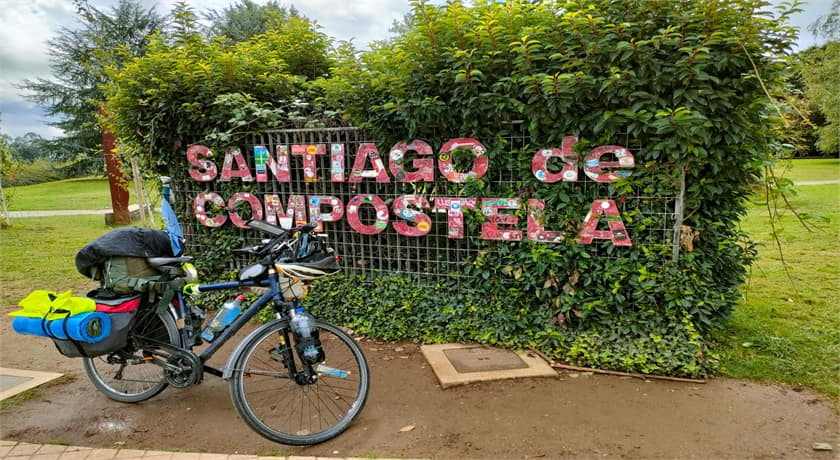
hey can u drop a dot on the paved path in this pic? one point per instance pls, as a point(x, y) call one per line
point(25, 451)
point(18, 214)
point(70, 212)
point(817, 182)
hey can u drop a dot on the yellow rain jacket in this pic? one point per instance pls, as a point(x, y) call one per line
point(49, 304)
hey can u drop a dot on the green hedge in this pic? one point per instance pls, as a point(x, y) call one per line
point(679, 79)
point(684, 81)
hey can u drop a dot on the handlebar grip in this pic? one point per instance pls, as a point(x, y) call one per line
point(308, 227)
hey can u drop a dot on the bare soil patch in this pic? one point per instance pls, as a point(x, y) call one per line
point(572, 416)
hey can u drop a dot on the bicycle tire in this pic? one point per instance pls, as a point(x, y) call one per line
point(276, 407)
point(135, 382)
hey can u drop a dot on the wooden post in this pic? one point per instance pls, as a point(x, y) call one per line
point(5, 216)
point(116, 179)
point(138, 189)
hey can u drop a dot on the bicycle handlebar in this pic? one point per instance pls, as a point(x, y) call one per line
point(280, 235)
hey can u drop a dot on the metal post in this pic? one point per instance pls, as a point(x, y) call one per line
point(679, 212)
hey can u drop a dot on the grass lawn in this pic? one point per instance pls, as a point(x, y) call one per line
point(40, 253)
point(83, 193)
point(789, 331)
point(809, 169)
point(782, 332)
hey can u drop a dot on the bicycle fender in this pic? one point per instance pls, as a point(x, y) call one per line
point(227, 371)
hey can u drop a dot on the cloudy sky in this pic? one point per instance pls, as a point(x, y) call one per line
point(26, 25)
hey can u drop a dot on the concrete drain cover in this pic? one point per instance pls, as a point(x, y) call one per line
point(7, 382)
point(14, 381)
point(456, 364)
point(481, 359)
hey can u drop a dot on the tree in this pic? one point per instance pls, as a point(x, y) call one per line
point(819, 70)
point(240, 22)
point(204, 87)
point(78, 59)
point(30, 147)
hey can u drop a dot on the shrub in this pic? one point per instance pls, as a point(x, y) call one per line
point(681, 80)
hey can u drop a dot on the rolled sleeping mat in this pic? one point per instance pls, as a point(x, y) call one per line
point(89, 327)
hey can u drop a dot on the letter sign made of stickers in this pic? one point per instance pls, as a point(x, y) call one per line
point(408, 162)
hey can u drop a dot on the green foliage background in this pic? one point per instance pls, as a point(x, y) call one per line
point(683, 81)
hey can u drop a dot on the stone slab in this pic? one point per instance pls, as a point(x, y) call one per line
point(479, 363)
point(483, 359)
point(21, 380)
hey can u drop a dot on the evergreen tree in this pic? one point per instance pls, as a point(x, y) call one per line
point(78, 58)
point(245, 19)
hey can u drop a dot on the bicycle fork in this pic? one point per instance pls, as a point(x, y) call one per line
point(284, 353)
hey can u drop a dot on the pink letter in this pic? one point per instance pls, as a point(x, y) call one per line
point(406, 207)
point(490, 229)
point(594, 166)
point(216, 203)
point(455, 217)
point(368, 150)
point(241, 170)
point(253, 201)
point(280, 167)
point(295, 209)
point(536, 231)
point(310, 166)
point(423, 168)
point(206, 169)
point(355, 205)
point(260, 161)
point(337, 163)
point(539, 165)
point(480, 163)
point(617, 233)
point(315, 215)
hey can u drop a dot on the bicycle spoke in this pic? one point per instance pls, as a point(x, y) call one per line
point(285, 411)
point(122, 379)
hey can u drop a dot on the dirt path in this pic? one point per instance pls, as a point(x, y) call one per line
point(572, 416)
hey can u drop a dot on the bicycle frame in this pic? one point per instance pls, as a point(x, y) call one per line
point(273, 295)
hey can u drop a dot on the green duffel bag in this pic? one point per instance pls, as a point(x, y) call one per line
point(127, 275)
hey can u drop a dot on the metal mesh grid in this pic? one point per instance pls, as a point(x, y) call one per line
point(433, 255)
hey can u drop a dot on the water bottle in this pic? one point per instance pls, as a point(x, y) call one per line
point(229, 311)
point(308, 343)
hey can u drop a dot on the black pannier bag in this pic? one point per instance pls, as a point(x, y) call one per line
point(118, 259)
point(121, 312)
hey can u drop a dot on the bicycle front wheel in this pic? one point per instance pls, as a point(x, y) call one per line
point(282, 410)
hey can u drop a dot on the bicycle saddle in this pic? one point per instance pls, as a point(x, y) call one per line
point(160, 262)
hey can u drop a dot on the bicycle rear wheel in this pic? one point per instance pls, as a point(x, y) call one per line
point(280, 409)
point(123, 375)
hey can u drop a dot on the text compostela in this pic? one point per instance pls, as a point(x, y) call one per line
point(408, 211)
